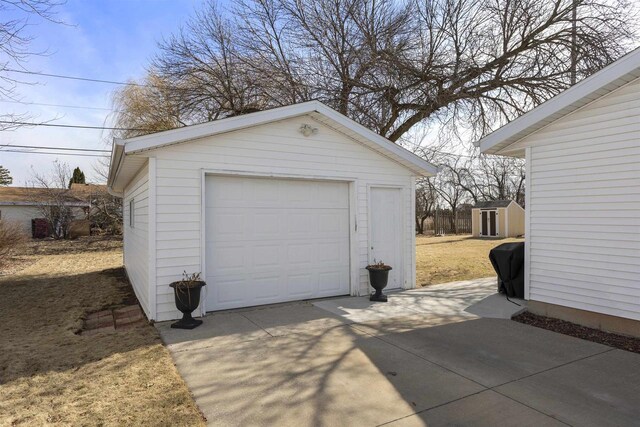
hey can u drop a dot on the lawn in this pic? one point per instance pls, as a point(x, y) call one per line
point(49, 374)
point(453, 258)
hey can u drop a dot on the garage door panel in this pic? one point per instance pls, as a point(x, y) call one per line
point(270, 287)
point(301, 255)
point(231, 257)
point(275, 240)
point(265, 255)
point(298, 224)
point(330, 282)
point(228, 292)
point(300, 285)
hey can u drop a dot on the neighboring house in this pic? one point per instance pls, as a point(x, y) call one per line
point(22, 204)
point(497, 218)
point(285, 204)
point(582, 225)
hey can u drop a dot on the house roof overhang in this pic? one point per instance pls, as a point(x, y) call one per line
point(128, 156)
point(507, 140)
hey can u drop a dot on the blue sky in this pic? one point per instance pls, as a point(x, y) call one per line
point(103, 39)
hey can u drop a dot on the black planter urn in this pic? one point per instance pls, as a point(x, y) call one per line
point(187, 300)
point(378, 277)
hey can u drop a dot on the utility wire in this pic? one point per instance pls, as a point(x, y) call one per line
point(68, 126)
point(87, 79)
point(53, 154)
point(56, 105)
point(84, 79)
point(54, 148)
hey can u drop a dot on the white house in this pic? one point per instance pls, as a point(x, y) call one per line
point(21, 205)
point(582, 221)
point(285, 204)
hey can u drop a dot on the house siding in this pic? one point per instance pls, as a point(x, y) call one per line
point(279, 149)
point(136, 238)
point(21, 216)
point(584, 207)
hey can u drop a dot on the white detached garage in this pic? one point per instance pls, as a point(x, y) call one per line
point(285, 204)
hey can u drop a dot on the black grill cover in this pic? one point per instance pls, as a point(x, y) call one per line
point(508, 261)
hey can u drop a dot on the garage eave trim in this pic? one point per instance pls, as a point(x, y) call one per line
point(188, 133)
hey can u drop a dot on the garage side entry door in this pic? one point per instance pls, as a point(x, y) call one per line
point(274, 240)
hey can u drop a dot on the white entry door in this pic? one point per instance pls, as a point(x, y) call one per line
point(386, 232)
point(275, 240)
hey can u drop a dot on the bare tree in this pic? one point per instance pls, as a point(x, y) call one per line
point(105, 211)
point(426, 199)
point(54, 200)
point(16, 16)
point(448, 189)
point(465, 65)
point(491, 178)
point(146, 107)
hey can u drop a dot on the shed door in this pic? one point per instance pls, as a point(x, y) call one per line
point(493, 218)
point(386, 231)
point(275, 240)
point(484, 229)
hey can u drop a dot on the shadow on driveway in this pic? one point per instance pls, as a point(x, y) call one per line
point(298, 364)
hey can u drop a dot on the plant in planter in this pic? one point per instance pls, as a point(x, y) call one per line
point(187, 295)
point(378, 277)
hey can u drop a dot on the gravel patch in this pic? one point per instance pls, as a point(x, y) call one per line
point(621, 342)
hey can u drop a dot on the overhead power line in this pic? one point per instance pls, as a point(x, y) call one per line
point(56, 125)
point(92, 80)
point(84, 79)
point(54, 148)
point(53, 154)
point(81, 107)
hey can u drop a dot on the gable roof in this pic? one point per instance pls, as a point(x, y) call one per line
point(119, 177)
point(610, 78)
point(491, 204)
point(86, 191)
point(33, 196)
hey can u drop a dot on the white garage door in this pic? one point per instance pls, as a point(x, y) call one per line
point(275, 240)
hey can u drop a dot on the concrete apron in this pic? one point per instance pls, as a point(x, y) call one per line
point(422, 358)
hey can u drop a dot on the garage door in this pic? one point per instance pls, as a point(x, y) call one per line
point(275, 240)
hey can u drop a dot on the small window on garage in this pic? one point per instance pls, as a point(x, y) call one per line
point(132, 212)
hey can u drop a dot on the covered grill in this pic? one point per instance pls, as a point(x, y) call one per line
point(508, 262)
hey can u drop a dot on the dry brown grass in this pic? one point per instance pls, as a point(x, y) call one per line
point(50, 375)
point(11, 238)
point(452, 258)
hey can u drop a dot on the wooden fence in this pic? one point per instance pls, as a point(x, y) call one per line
point(445, 223)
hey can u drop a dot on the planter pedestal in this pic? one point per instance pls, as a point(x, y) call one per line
point(378, 296)
point(187, 322)
point(187, 300)
point(378, 279)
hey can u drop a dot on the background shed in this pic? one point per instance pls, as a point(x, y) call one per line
point(497, 218)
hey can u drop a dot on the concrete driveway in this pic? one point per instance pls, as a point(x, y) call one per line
point(424, 358)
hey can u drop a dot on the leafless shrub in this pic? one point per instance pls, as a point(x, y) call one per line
point(54, 200)
point(11, 237)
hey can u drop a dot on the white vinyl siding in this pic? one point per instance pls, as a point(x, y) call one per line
point(584, 207)
point(136, 238)
point(275, 148)
point(20, 215)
